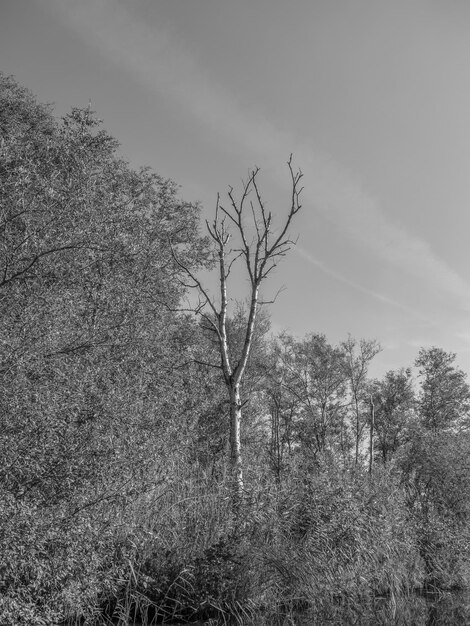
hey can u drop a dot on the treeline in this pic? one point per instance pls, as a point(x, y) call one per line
point(116, 492)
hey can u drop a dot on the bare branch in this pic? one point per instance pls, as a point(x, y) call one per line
point(235, 258)
point(211, 324)
point(279, 291)
point(197, 283)
point(33, 262)
point(206, 363)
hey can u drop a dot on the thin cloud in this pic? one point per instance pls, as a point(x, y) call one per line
point(161, 64)
point(358, 287)
point(342, 200)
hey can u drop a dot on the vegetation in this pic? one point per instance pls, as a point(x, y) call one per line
point(120, 441)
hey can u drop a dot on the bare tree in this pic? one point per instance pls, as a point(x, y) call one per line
point(241, 232)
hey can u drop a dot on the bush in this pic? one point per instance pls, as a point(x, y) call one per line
point(436, 477)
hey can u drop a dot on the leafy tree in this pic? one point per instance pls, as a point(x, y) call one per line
point(394, 403)
point(315, 376)
point(358, 356)
point(91, 358)
point(445, 394)
point(283, 406)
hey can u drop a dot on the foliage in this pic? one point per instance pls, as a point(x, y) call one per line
point(394, 404)
point(115, 489)
point(91, 352)
point(445, 394)
point(314, 375)
point(358, 355)
point(436, 475)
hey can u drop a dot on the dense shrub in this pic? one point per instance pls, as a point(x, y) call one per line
point(436, 477)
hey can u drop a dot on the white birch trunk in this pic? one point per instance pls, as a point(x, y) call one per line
point(235, 441)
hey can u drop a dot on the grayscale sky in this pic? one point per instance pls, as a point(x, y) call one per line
point(371, 96)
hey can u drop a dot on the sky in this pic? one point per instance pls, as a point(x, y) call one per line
point(372, 98)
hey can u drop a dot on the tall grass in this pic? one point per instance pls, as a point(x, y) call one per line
point(326, 542)
point(315, 541)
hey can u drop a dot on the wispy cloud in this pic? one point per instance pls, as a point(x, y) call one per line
point(335, 192)
point(358, 287)
point(162, 64)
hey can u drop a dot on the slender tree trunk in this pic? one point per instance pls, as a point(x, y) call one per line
point(357, 431)
point(276, 452)
point(371, 440)
point(235, 441)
